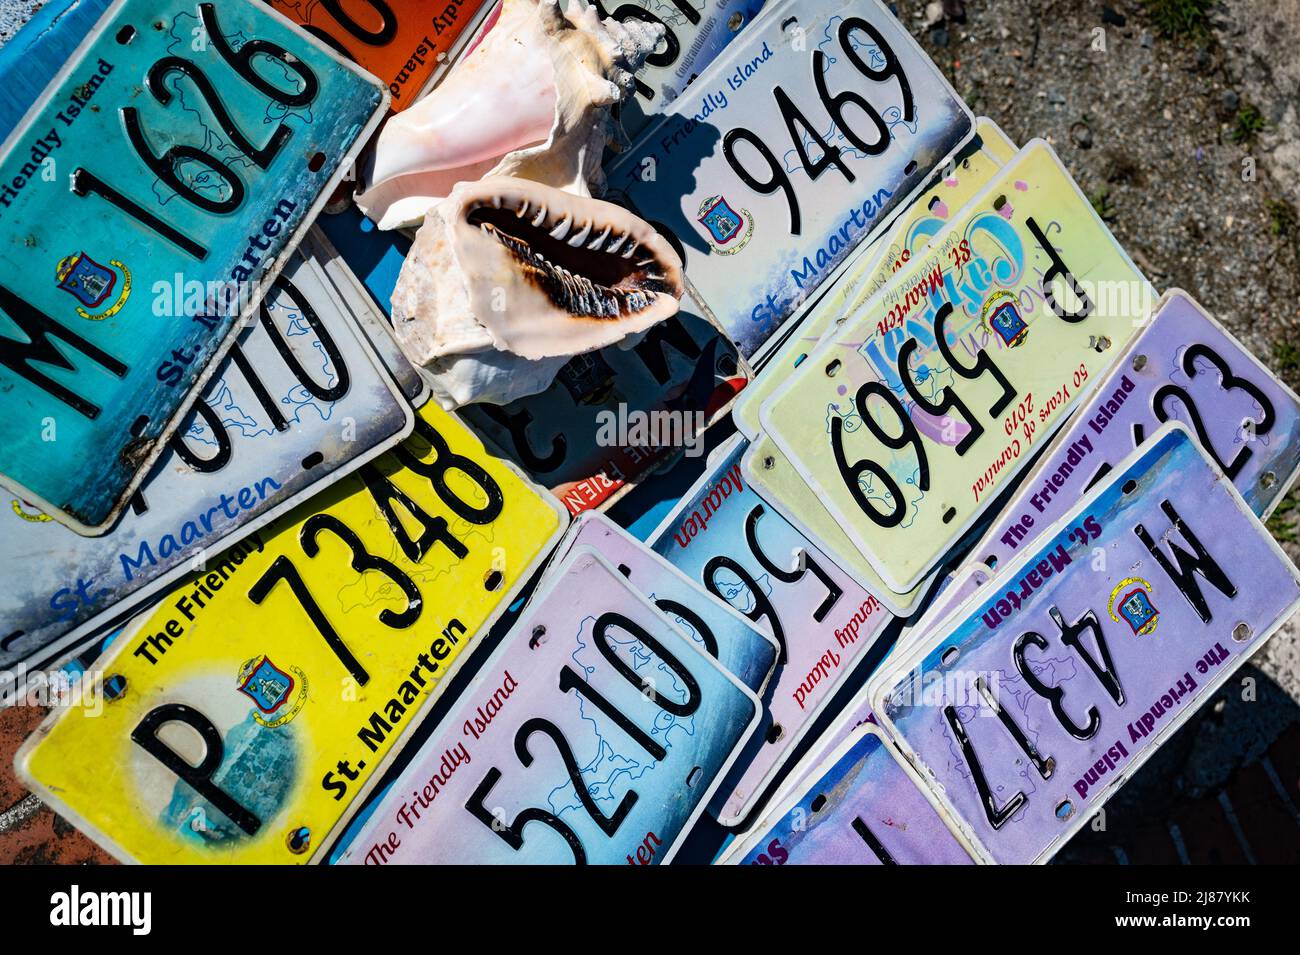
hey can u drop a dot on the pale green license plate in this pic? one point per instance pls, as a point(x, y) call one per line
point(935, 392)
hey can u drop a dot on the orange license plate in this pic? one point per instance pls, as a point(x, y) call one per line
point(408, 44)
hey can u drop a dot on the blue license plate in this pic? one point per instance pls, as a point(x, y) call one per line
point(299, 402)
point(176, 157)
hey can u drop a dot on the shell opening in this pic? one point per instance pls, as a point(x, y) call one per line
point(588, 278)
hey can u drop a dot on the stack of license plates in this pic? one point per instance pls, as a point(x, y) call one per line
point(979, 529)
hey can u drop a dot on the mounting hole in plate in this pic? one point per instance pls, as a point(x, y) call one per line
point(934, 201)
point(769, 462)
point(774, 732)
point(538, 637)
point(311, 460)
point(138, 425)
point(492, 580)
point(949, 656)
point(316, 162)
point(298, 840)
point(735, 22)
point(909, 168)
point(1129, 486)
point(1139, 362)
point(819, 801)
point(114, 687)
point(1099, 345)
point(999, 202)
point(126, 34)
point(1268, 479)
point(1242, 632)
point(833, 368)
point(625, 570)
point(1064, 810)
point(991, 562)
point(693, 777)
point(949, 514)
point(789, 22)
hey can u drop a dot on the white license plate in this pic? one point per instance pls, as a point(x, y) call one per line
point(595, 734)
point(283, 418)
point(374, 322)
point(794, 146)
point(717, 628)
point(1085, 654)
point(695, 33)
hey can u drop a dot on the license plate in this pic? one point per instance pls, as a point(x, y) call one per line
point(615, 416)
point(1185, 367)
point(263, 697)
point(793, 147)
point(696, 31)
point(298, 402)
point(722, 632)
point(251, 142)
point(723, 535)
point(596, 721)
point(1014, 312)
point(861, 807)
point(1090, 651)
point(374, 322)
point(408, 44)
point(774, 479)
point(872, 268)
point(766, 466)
point(857, 712)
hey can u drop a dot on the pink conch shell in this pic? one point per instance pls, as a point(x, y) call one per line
point(532, 100)
point(508, 278)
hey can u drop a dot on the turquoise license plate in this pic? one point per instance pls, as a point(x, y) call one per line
point(178, 156)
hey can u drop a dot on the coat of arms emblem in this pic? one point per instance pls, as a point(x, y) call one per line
point(1003, 317)
point(93, 284)
point(728, 230)
point(271, 689)
point(1130, 601)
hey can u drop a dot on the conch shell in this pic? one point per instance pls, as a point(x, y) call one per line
point(532, 100)
point(509, 278)
point(516, 268)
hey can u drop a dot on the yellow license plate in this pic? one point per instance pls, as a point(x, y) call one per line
point(244, 716)
point(936, 391)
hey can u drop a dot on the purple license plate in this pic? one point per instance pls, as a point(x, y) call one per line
point(596, 733)
point(1027, 713)
point(861, 807)
point(1182, 367)
point(724, 535)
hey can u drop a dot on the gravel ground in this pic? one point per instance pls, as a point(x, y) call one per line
point(1188, 143)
